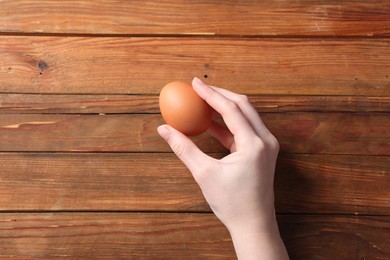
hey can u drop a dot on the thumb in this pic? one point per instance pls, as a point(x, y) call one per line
point(183, 147)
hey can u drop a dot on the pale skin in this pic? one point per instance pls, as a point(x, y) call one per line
point(238, 187)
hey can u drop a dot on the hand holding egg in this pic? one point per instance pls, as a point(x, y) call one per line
point(182, 108)
point(238, 187)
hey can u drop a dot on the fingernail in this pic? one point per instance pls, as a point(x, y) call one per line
point(198, 80)
point(164, 132)
point(199, 85)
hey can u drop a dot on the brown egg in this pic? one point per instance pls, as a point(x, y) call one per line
point(182, 108)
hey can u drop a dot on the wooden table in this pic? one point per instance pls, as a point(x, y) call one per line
point(84, 173)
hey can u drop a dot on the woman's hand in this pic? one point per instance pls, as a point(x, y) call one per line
point(238, 187)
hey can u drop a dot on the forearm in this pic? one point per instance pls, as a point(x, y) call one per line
point(260, 242)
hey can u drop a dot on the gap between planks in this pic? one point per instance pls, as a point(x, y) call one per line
point(146, 212)
point(192, 35)
point(148, 104)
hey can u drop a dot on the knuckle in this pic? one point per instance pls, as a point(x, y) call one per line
point(243, 99)
point(178, 148)
point(274, 143)
point(231, 106)
point(270, 145)
point(259, 145)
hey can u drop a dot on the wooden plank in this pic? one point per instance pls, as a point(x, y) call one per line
point(153, 182)
point(307, 184)
point(114, 235)
point(85, 104)
point(144, 65)
point(326, 133)
point(307, 17)
point(333, 184)
point(183, 236)
point(336, 237)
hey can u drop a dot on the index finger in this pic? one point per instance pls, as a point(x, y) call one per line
point(248, 110)
point(229, 110)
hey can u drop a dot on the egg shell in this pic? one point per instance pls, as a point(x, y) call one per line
point(182, 108)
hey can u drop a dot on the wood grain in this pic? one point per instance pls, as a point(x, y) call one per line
point(115, 104)
point(116, 65)
point(182, 236)
point(336, 237)
point(309, 184)
point(84, 174)
point(307, 17)
point(325, 133)
point(329, 184)
point(115, 235)
point(105, 182)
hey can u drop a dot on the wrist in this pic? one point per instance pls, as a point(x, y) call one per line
point(258, 240)
point(263, 225)
point(263, 221)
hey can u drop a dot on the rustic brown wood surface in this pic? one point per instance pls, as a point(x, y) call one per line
point(114, 235)
point(84, 174)
point(336, 237)
point(141, 65)
point(182, 236)
point(147, 104)
point(306, 17)
point(328, 133)
point(305, 184)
